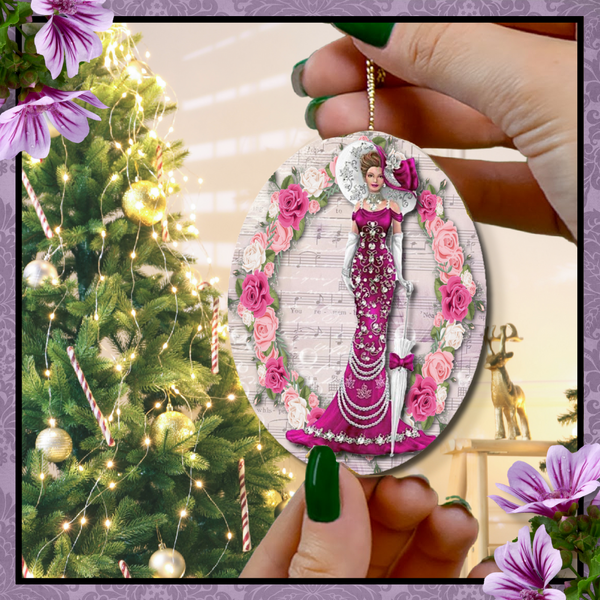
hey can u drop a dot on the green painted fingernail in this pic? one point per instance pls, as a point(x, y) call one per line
point(322, 485)
point(453, 500)
point(311, 109)
point(297, 78)
point(376, 34)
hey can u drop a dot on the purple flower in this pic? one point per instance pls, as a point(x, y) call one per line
point(24, 127)
point(526, 570)
point(71, 34)
point(572, 475)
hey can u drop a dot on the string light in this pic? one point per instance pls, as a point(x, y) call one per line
point(114, 177)
point(47, 372)
point(229, 535)
point(174, 289)
point(52, 422)
point(96, 317)
point(183, 513)
point(192, 456)
point(107, 523)
point(231, 397)
point(291, 475)
point(109, 464)
point(119, 368)
point(154, 234)
point(83, 520)
point(165, 346)
point(157, 405)
point(57, 229)
point(208, 404)
point(66, 526)
point(198, 484)
point(65, 177)
point(42, 476)
point(133, 255)
point(284, 471)
point(80, 467)
point(52, 315)
point(103, 233)
point(112, 485)
point(147, 441)
point(200, 181)
point(259, 447)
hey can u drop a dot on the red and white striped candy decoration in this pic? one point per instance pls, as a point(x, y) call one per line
point(246, 542)
point(90, 398)
point(165, 231)
point(36, 204)
point(26, 573)
point(159, 164)
point(203, 285)
point(124, 569)
point(214, 346)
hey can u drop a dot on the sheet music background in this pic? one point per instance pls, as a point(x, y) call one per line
point(317, 314)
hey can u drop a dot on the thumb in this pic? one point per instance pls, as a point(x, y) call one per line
point(335, 539)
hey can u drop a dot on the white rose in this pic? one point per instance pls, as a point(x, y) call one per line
point(314, 181)
point(273, 209)
point(439, 209)
point(247, 317)
point(454, 335)
point(297, 413)
point(254, 256)
point(466, 278)
point(440, 396)
point(262, 371)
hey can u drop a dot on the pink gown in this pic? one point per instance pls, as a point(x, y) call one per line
point(358, 419)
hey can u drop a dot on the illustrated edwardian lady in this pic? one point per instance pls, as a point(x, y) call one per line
point(359, 418)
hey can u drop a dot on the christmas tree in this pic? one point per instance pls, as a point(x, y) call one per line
point(131, 434)
point(568, 418)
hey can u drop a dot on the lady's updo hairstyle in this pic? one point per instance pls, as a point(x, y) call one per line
point(371, 159)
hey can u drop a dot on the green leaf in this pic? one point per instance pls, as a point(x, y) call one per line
point(284, 358)
point(328, 171)
point(298, 233)
point(583, 585)
point(572, 592)
point(418, 369)
point(449, 349)
point(431, 188)
point(428, 423)
point(435, 332)
point(538, 521)
point(443, 426)
point(275, 304)
point(595, 567)
point(305, 393)
point(13, 16)
point(300, 382)
point(380, 141)
point(438, 284)
point(270, 393)
point(287, 182)
point(238, 287)
point(3, 37)
point(270, 254)
point(471, 312)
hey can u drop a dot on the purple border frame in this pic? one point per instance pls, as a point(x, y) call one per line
point(589, 316)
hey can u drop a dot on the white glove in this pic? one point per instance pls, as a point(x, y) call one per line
point(397, 254)
point(351, 246)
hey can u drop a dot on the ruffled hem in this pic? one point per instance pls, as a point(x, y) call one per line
point(411, 440)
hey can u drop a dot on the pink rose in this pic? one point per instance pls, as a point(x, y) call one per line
point(294, 375)
point(314, 207)
point(433, 226)
point(421, 401)
point(263, 358)
point(445, 243)
point(276, 376)
point(315, 414)
point(281, 238)
point(438, 365)
point(275, 198)
point(364, 138)
point(439, 318)
point(332, 166)
point(455, 262)
point(313, 400)
point(288, 396)
point(261, 238)
point(261, 381)
point(427, 205)
point(240, 309)
point(265, 328)
point(269, 268)
point(255, 293)
point(455, 300)
point(440, 395)
point(293, 204)
point(472, 288)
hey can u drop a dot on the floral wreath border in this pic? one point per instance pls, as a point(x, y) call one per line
point(304, 195)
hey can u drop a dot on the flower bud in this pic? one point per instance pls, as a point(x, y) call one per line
point(573, 509)
point(558, 515)
point(27, 78)
point(4, 91)
point(567, 558)
point(568, 525)
point(583, 523)
point(593, 511)
point(30, 45)
point(12, 81)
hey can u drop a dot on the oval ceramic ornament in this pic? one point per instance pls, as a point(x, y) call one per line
point(357, 301)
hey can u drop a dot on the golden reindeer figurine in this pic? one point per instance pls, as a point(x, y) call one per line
point(506, 397)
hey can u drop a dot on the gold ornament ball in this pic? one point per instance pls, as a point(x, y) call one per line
point(37, 272)
point(279, 508)
point(55, 443)
point(174, 427)
point(167, 563)
point(144, 202)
